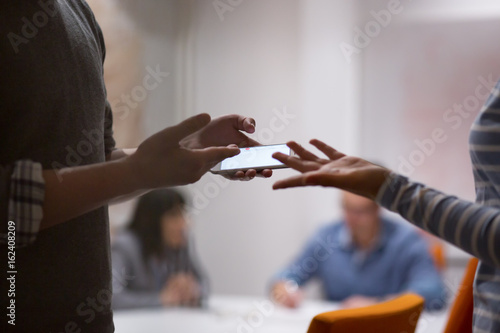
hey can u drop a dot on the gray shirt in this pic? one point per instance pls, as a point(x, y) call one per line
point(54, 111)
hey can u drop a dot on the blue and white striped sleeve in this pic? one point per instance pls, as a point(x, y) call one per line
point(25, 195)
point(469, 226)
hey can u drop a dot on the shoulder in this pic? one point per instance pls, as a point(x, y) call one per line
point(82, 11)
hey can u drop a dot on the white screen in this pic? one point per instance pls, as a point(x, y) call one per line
point(255, 157)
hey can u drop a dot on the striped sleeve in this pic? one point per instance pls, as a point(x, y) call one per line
point(472, 227)
point(26, 195)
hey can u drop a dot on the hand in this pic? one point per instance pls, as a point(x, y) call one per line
point(161, 161)
point(282, 295)
point(358, 301)
point(224, 131)
point(181, 289)
point(348, 173)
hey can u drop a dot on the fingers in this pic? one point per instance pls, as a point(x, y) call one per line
point(326, 149)
point(249, 174)
point(301, 151)
point(266, 173)
point(214, 155)
point(187, 127)
point(249, 125)
point(245, 175)
point(296, 163)
point(294, 181)
point(246, 124)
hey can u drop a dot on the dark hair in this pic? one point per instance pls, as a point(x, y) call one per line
point(146, 222)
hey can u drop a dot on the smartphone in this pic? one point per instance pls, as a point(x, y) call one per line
point(258, 158)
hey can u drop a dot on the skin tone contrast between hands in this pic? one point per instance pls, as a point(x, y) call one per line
point(177, 155)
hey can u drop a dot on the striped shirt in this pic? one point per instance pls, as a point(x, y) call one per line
point(473, 227)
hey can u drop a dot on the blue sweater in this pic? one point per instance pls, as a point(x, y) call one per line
point(399, 262)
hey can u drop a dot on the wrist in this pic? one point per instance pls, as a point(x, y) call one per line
point(378, 183)
point(132, 173)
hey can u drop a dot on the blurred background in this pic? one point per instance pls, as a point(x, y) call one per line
point(401, 90)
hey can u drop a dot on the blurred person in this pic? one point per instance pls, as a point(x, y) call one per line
point(59, 167)
point(153, 262)
point(361, 260)
point(473, 227)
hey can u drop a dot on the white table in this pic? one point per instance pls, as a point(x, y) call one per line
point(240, 314)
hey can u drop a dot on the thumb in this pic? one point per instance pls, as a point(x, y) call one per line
point(214, 155)
point(187, 127)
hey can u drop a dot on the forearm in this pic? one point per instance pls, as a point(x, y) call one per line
point(471, 227)
point(72, 192)
point(120, 153)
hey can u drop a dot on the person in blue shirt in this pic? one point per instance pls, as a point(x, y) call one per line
point(361, 260)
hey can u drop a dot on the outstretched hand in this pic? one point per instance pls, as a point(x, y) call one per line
point(224, 131)
point(162, 161)
point(338, 170)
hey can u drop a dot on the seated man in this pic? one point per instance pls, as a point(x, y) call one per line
point(362, 260)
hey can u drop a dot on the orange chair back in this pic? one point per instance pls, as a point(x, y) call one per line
point(436, 250)
point(460, 320)
point(438, 255)
point(395, 316)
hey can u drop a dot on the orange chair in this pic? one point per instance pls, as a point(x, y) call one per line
point(438, 255)
point(460, 320)
point(394, 316)
point(436, 250)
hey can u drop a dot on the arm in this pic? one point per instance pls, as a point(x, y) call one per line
point(471, 227)
point(159, 161)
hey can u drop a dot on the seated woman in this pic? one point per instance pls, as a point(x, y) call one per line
point(153, 264)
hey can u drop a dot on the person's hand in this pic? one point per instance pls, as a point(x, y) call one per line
point(282, 295)
point(358, 301)
point(181, 289)
point(348, 173)
point(224, 131)
point(161, 161)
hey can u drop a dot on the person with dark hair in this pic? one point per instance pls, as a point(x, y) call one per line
point(153, 262)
